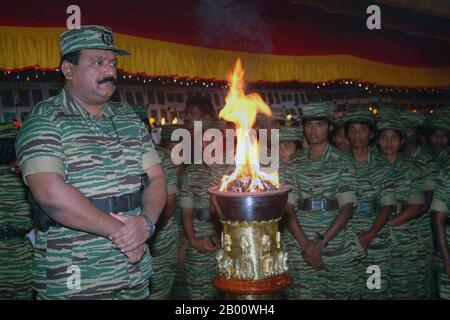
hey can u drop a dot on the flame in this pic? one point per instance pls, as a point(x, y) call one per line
point(175, 121)
point(242, 110)
point(163, 121)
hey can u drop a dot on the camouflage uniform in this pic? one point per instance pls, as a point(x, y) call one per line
point(426, 284)
point(373, 192)
point(373, 187)
point(441, 203)
point(101, 158)
point(288, 240)
point(439, 120)
point(164, 245)
point(329, 177)
point(407, 182)
point(15, 221)
point(179, 288)
point(201, 268)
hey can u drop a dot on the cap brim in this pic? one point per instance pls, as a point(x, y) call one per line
point(119, 52)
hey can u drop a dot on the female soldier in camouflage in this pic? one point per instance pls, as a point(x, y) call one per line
point(200, 224)
point(319, 209)
point(408, 186)
point(375, 202)
point(290, 146)
point(164, 244)
point(441, 206)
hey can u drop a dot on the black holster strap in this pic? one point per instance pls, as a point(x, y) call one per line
point(202, 214)
point(7, 233)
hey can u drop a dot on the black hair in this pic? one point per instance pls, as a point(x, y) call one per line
point(72, 57)
point(7, 150)
point(203, 104)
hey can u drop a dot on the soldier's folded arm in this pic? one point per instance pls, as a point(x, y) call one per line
point(292, 222)
point(411, 210)
point(67, 206)
point(387, 202)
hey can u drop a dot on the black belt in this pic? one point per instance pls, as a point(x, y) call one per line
point(123, 203)
point(202, 214)
point(12, 233)
point(321, 204)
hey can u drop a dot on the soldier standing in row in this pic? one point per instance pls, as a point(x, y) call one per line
point(441, 210)
point(375, 203)
point(15, 221)
point(200, 223)
point(413, 150)
point(319, 208)
point(438, 125)
point(408, 188)
point(290, 147)
point(164, 244)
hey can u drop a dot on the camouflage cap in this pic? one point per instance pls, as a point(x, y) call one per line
point(8, 131)
point(89, 37)
point(213, 124)
point(339, 122)
point(440, 119)
point(388, 112)
point(359, 115)
point(291, 133)
point(278, 114)
point(320, 110)
point(167, 130)
point(411, 119)
point(390, 123)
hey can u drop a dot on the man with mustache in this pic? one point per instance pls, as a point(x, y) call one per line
point(87, 162)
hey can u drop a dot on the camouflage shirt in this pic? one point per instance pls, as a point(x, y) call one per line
point(331, 176)
point(427, 165)
point(197, 179)
point(407, 179)
point(169, 170)
point(441, 197)
point(99, 157)
point(372, 180)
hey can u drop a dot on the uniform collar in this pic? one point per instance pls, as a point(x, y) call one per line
point(74, 107)
point(324, 156)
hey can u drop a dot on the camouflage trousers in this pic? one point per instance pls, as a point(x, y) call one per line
point(443, 279)
point(179, 288)
point(163, 249)
point(336, 281)
point(139, 292)
point(404, 268)
point(289, 245)
point(379, 255)
point(16, 269)
point(201, 268)
point(426, 282)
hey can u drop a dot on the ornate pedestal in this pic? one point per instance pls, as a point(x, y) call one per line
point(251, 262)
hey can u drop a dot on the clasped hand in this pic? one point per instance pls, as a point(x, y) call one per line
point(132, 237)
